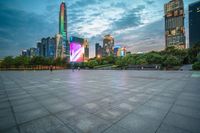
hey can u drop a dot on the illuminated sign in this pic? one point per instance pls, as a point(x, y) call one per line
point(76, 52)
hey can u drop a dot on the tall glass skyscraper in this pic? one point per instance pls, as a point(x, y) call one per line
point(63, 21)
point(63, 29)
point(174, 24)
point(194, 23)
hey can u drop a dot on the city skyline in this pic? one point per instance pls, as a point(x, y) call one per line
point(26, 22)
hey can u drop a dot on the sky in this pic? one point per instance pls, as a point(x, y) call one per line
point(135, 24)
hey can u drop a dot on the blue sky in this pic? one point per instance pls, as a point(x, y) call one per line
point(136, 24)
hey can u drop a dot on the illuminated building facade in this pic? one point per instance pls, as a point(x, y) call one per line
point(98, 50)
point(63, 20)
point(119, 51)
point(108, 45)
point(79, 49)
point(63, 29)
point(174, 24)
point(194, 24)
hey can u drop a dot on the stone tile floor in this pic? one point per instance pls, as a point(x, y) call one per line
point(99, 101)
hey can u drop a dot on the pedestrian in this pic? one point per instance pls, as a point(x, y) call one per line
point(51, 68)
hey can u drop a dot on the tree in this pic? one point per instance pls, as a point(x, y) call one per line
point(110, 59)
point(119, 62)
point(193, 52)
point(21, 61)
point(141, 61)
point(92, 63)
point(196, 66)
point(58, 61)
point(171, 61)
point(154, 58)
point(8, 62)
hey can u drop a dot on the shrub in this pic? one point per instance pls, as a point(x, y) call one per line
point(196, 66)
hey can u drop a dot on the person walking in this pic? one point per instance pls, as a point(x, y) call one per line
point(51, 68)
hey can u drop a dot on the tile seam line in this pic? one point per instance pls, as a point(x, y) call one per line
point(50, 114)
point(11, 107)
point(134, 110)
point(170, 108)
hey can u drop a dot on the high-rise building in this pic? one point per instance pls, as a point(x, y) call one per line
point(86, 50)
point(59, 48)
point(63, 29)
point(119, 51)
point(108, 45)
point(39, 47)
point(51, 47)
point(47, 47)
point(44, 47)
point(79, 49)
point(194, 24)
point(98, 50)
point(174, 24)
point(63, 20)
point(34, 52)
point(25, 52)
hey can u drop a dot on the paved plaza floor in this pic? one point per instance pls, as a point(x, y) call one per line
point(99, 102)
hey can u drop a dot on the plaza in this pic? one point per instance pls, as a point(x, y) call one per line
point(90, 101)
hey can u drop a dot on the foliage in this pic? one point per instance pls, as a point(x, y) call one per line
point(154, 58)
point(196, 66)
point(7, 62)
point(171, 61)
point(169, 57)
point(92, 63)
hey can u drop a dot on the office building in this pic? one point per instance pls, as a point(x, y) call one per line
point(59, 48)
point(194, 24)
point(79, 49)
point(86, 50)
point(98, 50)
point(34, 52)
point(25, 52)
point(174, 24)
point(108, 45)
point(119, 51)
point(47, 47)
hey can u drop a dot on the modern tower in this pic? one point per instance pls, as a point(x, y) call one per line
point(108, 45)
point(194, 24)
point(98, 50)
point(63, 29)
point(63, 20)
point(174, 24)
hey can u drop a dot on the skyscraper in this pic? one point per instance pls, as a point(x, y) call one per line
point(174, 24)
point(194, 24)
point(98, 50)
point(63, 29)
point(63, 20)
point(108, 45)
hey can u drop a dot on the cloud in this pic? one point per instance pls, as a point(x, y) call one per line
point(20, 30)
point(149, 2)
point(131, 18)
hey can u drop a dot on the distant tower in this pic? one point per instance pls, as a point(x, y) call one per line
point(174, 24)
point(108, 45)
point(63, 30)
point(63, 20)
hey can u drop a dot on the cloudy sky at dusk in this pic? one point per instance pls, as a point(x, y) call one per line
point(136, 24)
